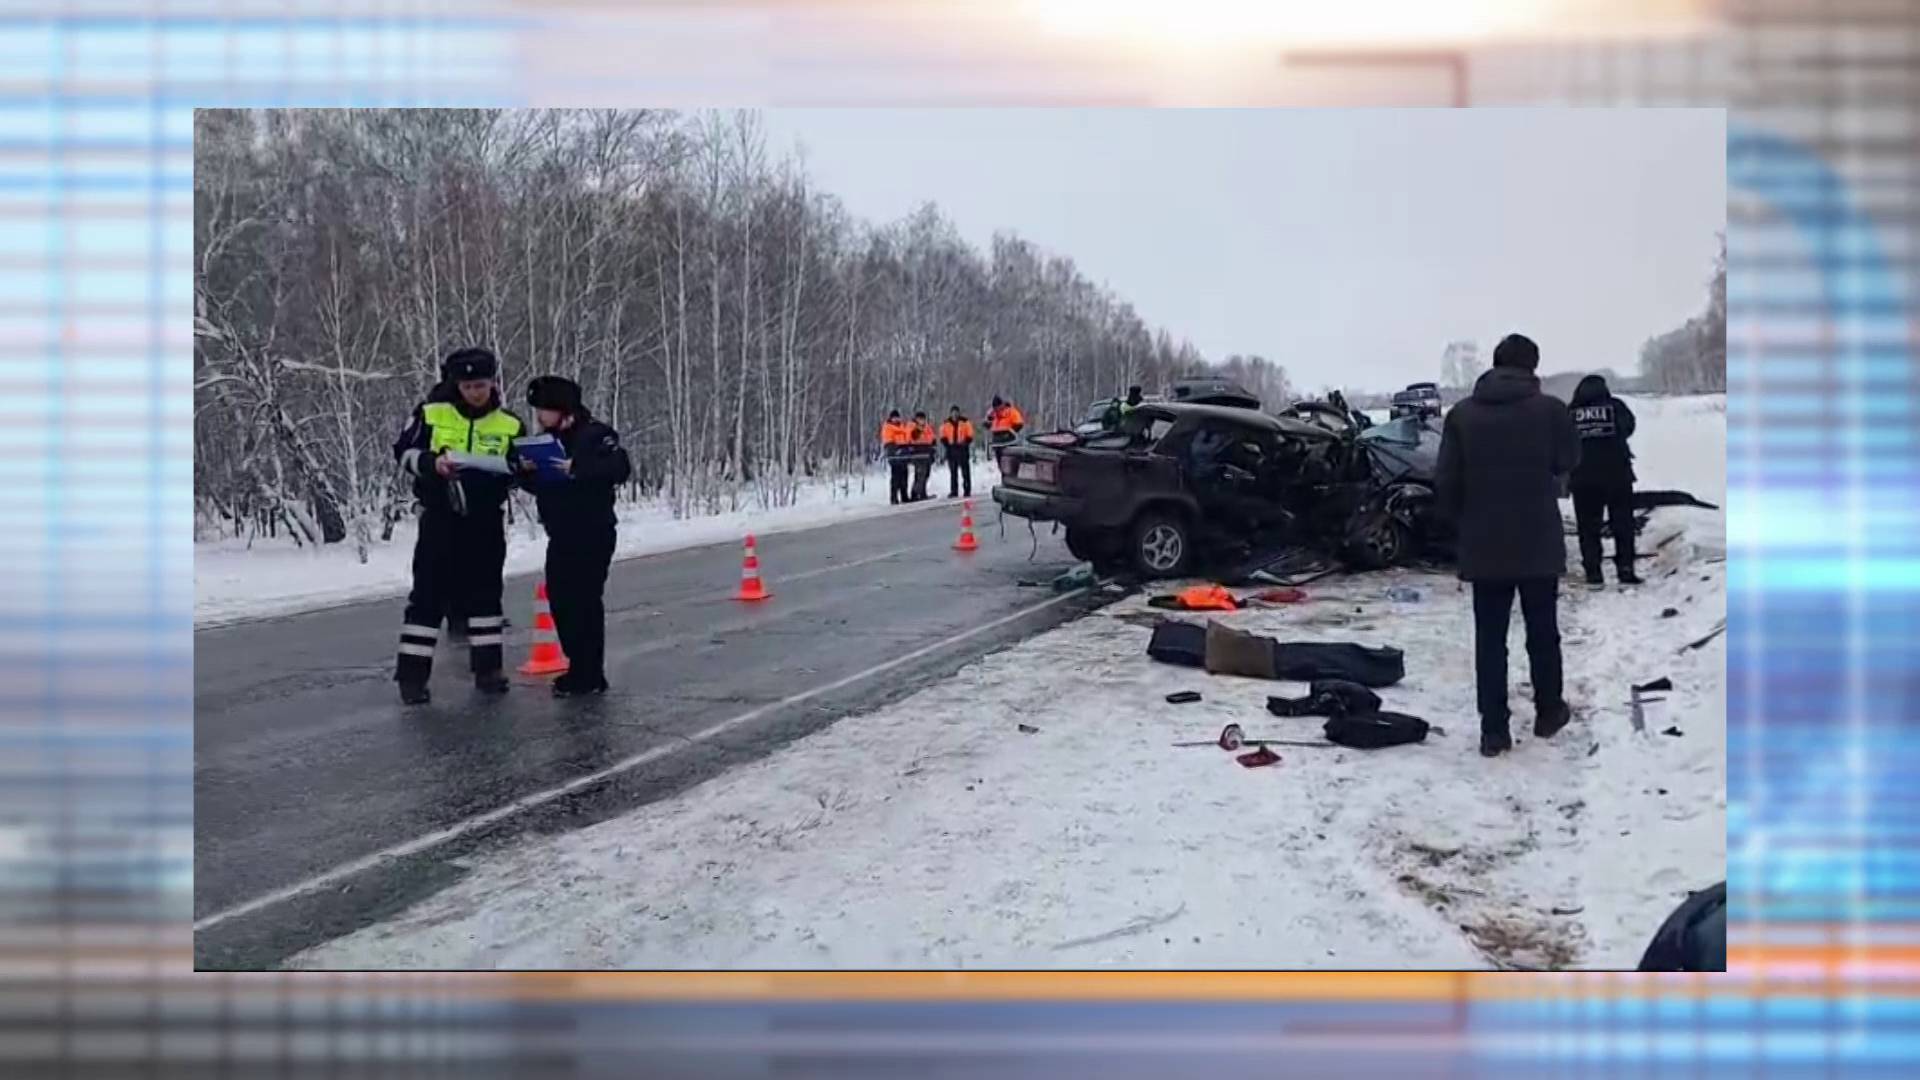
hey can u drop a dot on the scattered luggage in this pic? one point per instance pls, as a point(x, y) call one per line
point(1223, 650)
point(1237, 652)
point(1310, 660)
point(1327, 697)
point(1179, 643)
point(1376, 730)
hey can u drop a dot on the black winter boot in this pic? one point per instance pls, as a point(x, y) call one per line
point(1549, 721)
point(414, 694)
point(491, 682)
point(566, 686)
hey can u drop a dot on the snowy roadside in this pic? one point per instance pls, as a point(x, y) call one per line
point(234, 582)
point(934, 833)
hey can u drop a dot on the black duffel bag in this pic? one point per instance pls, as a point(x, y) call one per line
point(1371, 731)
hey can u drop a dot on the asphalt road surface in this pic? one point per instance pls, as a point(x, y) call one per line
point(322, 805)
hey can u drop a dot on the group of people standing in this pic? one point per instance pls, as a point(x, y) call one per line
point(461, 447)
point(910, 448)
point(1506, 455)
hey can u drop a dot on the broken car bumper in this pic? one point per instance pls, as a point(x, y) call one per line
point(1037, 506)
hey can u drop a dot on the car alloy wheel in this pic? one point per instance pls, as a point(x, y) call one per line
point(1162, 547)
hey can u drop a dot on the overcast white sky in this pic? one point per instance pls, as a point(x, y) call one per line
point(1350, 246)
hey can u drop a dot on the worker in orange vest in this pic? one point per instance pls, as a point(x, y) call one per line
point(920, 445)
point(956, 434)
point(1003, 423)
point(893, 445)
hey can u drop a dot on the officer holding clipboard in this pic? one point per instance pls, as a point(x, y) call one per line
point(455, 448)
point(572, 468)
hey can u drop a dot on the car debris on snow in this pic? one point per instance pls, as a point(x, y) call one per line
point(1139, 925)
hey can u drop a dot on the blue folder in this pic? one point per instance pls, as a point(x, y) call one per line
point(546, 453)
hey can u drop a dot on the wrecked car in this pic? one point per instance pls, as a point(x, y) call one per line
point(1177, 486)
point(1103, 414)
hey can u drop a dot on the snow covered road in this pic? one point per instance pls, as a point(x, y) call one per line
point(935, 833)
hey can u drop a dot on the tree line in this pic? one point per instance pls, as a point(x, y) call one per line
point(1692, 358)
point(736, 323)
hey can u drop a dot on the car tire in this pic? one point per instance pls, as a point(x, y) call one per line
point(1160, 545)
point(1087, 545)
point(1376, 541)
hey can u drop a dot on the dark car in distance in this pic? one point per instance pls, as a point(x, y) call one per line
point(1419, 399)
point(1177, 486)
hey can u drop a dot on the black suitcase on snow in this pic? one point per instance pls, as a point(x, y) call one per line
point(1181, 643)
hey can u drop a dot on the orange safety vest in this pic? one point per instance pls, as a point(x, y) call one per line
point(951, 432)
point(921, 435)
point(1207, 598)
point(1007, 418)
point(893, 433)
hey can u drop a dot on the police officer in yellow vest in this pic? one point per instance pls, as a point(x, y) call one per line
point(456, 448)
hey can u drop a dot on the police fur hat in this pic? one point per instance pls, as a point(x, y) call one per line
point(463, 365)
point(554, 392)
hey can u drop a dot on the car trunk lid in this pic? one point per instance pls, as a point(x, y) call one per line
point(1032, 466)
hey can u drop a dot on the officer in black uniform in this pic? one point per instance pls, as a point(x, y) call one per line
point(577, 509)
point(462, 545)
point(1603, 481)
point(448, 389)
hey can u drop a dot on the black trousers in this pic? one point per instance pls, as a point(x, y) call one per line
point(1617, 503)
point(959, 475)
point(1492, 614)
point(456, 570)
point(897, 481)
point(922, 468)
point(576, 590)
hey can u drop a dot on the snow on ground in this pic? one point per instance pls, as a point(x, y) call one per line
point(935, 834)
point(233, 581)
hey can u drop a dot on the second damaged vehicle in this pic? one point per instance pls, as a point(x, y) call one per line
point(1176, 487)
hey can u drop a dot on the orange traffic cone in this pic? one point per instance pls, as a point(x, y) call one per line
point(751, 587)
point(547, 659)
point(966, 541)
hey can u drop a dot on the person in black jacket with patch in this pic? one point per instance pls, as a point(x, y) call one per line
point(577, 510)
point(1603, 481)
point(1505, 453)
